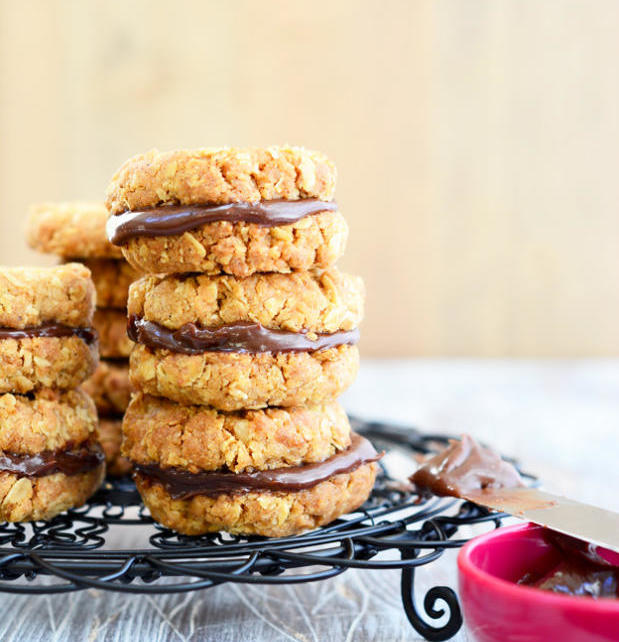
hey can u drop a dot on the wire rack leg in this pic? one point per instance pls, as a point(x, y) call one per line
point(444, 593)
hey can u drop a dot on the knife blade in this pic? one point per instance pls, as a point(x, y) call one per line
point(567, 516)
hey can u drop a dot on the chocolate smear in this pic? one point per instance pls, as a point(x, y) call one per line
point(182, 484)
point(48, 462)
point(237, 337)
point(55, 330)
point(173, 220)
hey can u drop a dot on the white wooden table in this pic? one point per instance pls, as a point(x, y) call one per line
point(561, 419)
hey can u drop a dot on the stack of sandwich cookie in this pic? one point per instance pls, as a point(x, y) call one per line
point(76, 231)
point(244, 338)
point(50, 457)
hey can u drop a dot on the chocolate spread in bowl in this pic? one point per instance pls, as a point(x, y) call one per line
point(580, 570)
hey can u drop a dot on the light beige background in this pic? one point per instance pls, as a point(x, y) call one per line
point(477, 142)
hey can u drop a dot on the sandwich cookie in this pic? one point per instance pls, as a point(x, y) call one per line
point(111, 389)
point(47, 338)
point(112, 279)
point(111, 326)
point(270, 472)
point(70, 230)
point(50, 458)
point(233, 211)
point(266, 340)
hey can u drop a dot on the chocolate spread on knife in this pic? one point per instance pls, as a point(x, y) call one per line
point(182, 484)
point(236, 337)
point(55, 330)
point(48, 462)
point(465, 467)
point(173, 220)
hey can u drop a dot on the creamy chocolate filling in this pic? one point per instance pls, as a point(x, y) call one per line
point(172, 220)
point(182, 484)
point(236, 337)
point(55, 330)
point(578, 570)
point(463, 467)
point(48, 462)
point(573, 577)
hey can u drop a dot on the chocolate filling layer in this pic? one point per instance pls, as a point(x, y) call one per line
point(463, 467)
point(237, 337)
point(573, 577)
point(172, 220)
point(182, 484)
point(55, 330)
point(577, 570)
point(48, 462)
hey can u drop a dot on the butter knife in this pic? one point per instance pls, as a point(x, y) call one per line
point(576, 519)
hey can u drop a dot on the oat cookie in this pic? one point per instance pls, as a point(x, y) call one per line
point(312, 234)
point(242, 249)
point(273, 514)
point(233, 381)
point(70, 230)
point(50, 459)
point(111, 325)
point(110, 437)
point(112, 279)
point(324, 302)
point(199, 438)
point(45, 362)
point(39, 498)
point(110, 387)
point(46, 420)
point(315, 307)
point(32, 296)
point(220, 175)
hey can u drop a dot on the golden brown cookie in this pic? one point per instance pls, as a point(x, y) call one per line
point(70, 230)
point(192, 216)
point(110, 387)
point(273, 514)
point(110, 436)
point(241, 249)
point(198, 438)
point(39, 498)
point(112, 279)
point(32, 498)
point(233, 380)
point(32, 296)
point(45, 362)
point(287, 339)
point(324, 302)
point(111, 325)
point(220, 175)
point(50, 459)
point(46, 420)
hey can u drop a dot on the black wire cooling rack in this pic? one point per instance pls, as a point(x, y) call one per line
point(394, 529)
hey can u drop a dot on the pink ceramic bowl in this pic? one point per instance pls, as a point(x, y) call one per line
point(496, 609)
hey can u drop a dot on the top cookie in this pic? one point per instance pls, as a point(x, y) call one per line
point(70, 230)
point(31, 296)
point(220, 175)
